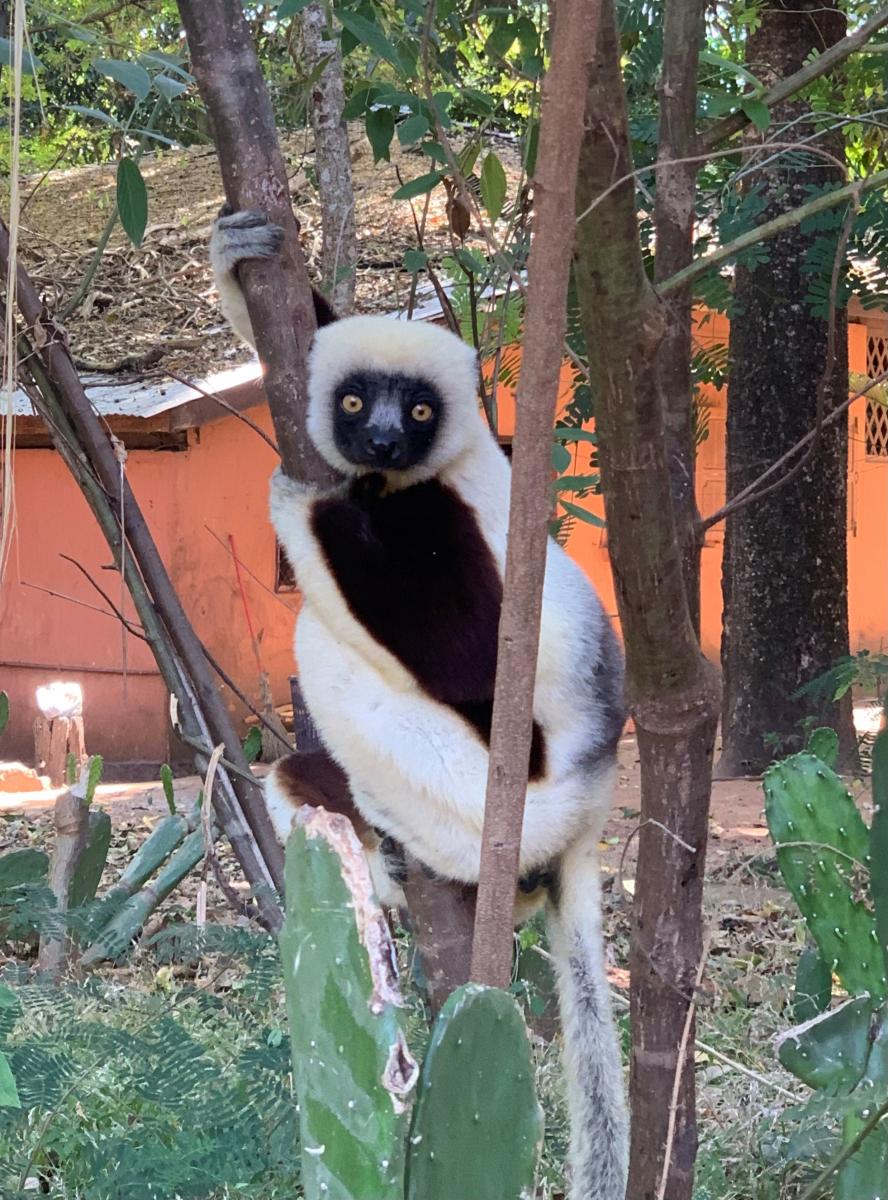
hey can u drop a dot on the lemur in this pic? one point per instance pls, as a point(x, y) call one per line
point(400, 567)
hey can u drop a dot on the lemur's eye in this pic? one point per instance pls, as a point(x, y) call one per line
point(422, 412)
point(352, 403)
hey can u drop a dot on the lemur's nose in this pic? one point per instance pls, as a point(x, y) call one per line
point(384, 448)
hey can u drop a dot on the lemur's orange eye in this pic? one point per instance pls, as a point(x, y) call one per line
point(421, 412)
point(352, 404)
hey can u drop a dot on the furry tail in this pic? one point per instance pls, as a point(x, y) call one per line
point(599, 1123)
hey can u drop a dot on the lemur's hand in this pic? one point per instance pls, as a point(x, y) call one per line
point(238, 236)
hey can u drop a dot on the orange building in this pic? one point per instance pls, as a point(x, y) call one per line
point(201, 477)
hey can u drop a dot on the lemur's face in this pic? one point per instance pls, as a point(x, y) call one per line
point(385, 421)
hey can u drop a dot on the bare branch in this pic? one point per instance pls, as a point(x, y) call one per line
point(785, 88)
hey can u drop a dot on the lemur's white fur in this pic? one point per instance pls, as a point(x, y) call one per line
point(415, 767)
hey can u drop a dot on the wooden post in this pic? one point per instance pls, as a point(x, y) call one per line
point(71, 826)
point(54, 739)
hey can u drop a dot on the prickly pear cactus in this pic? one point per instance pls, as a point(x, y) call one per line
point(823, 849)
point(865, 1174)
point(879, 840)
point(830, 1051)
point(352, 1068)
point(91, 864)
point(813, 986)
point(477, 1126)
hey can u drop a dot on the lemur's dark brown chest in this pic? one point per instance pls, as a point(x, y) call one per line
point(415, 570)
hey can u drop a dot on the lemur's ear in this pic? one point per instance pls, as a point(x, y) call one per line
point(325, 314)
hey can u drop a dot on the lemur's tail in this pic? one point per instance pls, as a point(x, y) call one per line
point(596, 1100)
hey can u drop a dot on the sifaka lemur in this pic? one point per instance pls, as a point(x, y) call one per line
point(401, 573)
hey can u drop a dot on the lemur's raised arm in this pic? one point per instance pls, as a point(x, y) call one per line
point(401, 571)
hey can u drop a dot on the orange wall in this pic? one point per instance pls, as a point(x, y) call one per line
point(220, 483)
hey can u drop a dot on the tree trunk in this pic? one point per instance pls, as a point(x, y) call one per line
point(785, 580)
point(676, 190)
point(339, 249)
point(671, 689)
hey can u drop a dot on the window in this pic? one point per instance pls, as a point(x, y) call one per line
point(876, 414)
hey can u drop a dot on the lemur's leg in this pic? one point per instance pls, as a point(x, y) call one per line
point(317, 780)
point(235, 238)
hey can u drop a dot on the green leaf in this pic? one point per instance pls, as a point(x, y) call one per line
point(30, 64)
point(362, 98)
point(128, 74)
point(22, 866)
point(169, 88)
point(493, 186)
point(582, 514)
point(95, 113)
point(167, 62)
point(576, 483)
point(531, 145)
point(412, 129)
point(415, 260)
point(470, 262)
point(561, 458)
point(419, 186)
point(9, 1097)
point(4, 710)
point(758, 113)
point(380, 126)
point(369, 34)
point(253, 744)
point(132, 200)
point(501, 39)
point(468, 156)
point(166, 780)
point(569, 434)
point(290, 8)
point(726, 64)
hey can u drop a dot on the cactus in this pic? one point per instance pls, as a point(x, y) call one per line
point(823, 853)
point(477, 1126)
point(91, 864)
point(813, 986)
point(352, 1068)
point(829, 1052)
point(879, 839)
point(864, 1175)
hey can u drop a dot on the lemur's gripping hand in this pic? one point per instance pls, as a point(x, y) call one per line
point(238, 236)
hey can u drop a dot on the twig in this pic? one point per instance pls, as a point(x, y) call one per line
point(763, 233)
point(228, 407)
point(117, 612)
point(275, 595)
point(813, 1191)
point(131, 628)
point(753, 490)
point(785, 88)
point(679, 1070)
point(634, 834)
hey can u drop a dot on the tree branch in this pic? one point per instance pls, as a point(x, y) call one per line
point(561, 134)
point(785, 88)
point(770, 229)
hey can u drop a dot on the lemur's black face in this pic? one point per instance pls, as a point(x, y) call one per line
point(385, 422)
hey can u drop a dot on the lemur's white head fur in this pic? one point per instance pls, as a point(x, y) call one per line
point(387, 347)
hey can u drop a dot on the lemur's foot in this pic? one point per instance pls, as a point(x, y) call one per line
point(238, 236)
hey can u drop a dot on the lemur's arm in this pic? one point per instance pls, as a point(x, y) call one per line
point(236, 237)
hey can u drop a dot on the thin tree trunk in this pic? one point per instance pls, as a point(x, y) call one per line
point(676, 190)
point(671, 689)
point(561, 132)
point(785, 580)
point(71, 828)
point(332, 157)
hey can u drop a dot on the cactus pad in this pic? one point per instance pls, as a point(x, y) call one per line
point(352, 1068)
point(830, 1052)
point(824, 855)
point(813, 986)
point(477, 1126)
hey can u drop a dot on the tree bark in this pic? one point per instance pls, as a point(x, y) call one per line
point(784, 578)
point(554, 187)
point(671, 689)
point(332, 158)
point(676, 190)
